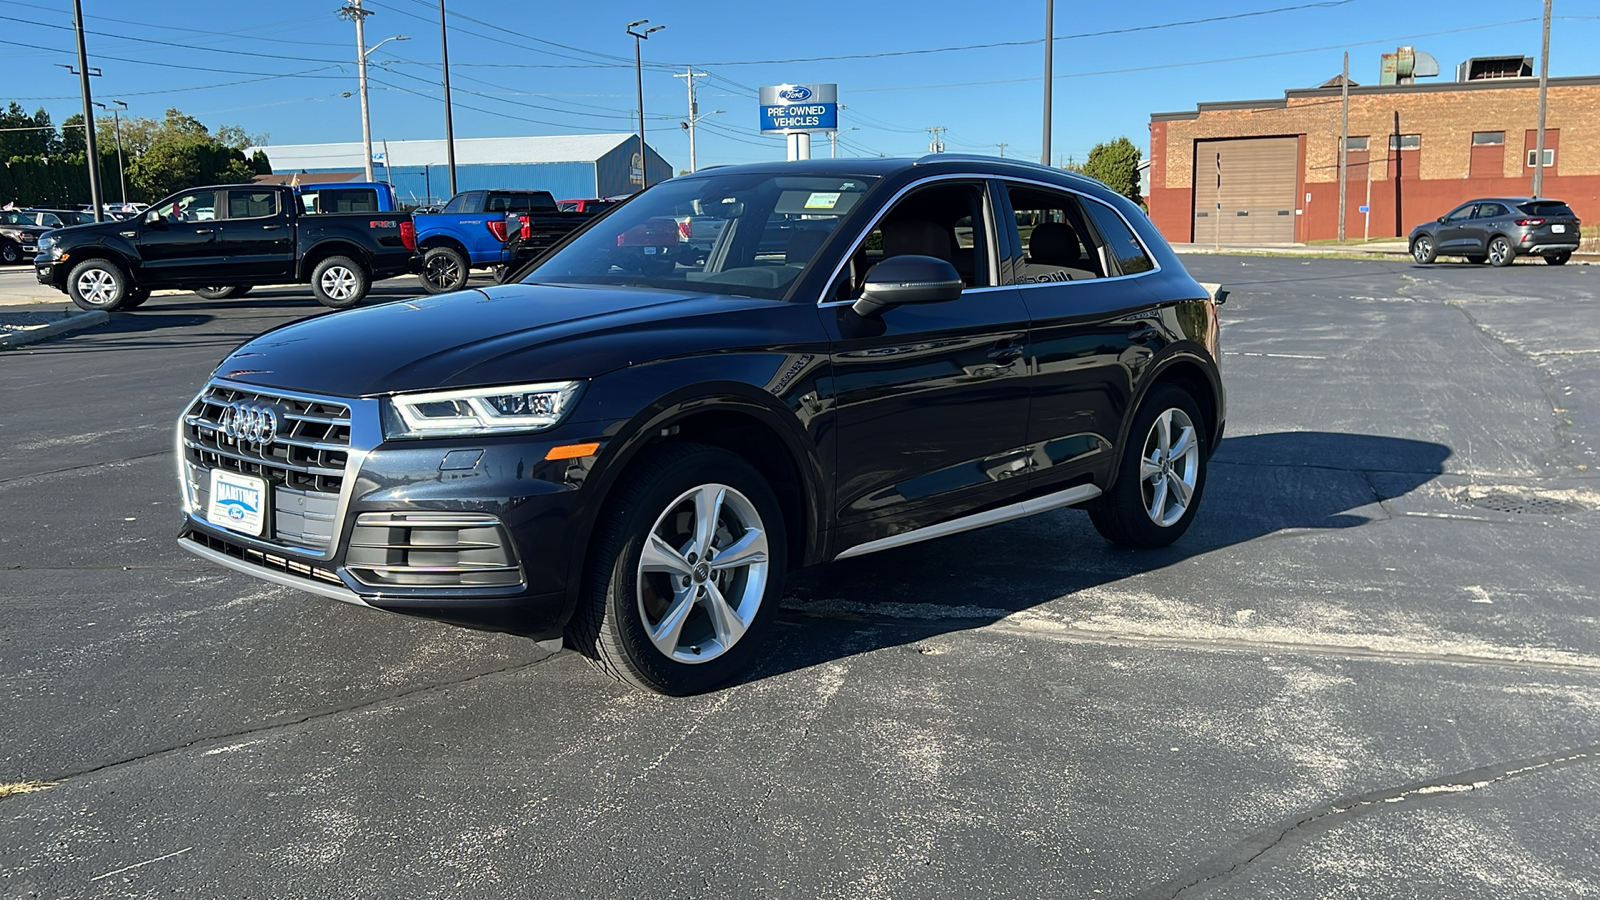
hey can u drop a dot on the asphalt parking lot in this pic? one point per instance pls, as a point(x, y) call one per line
point(1371, 669)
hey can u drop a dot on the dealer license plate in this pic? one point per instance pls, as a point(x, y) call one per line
point(1559, 229)
point(237, 502)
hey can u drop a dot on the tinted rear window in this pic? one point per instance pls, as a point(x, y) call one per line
point(1546, 208)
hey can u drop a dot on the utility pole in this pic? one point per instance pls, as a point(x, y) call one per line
point(449, 126)
point(1344, 142)
point(1002, 145)
point(638, 74)
point(1049, 72)
point(694, 110)
point(936, 145)
point(1544, 81)
point(356, 14)
point(88, 114)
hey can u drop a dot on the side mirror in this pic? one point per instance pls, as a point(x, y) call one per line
point(154, 219)
point(1441, 219)
point(900, 280)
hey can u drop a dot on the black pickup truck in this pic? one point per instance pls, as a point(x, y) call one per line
point(220, 242)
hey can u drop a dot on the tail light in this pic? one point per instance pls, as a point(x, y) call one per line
point(686, 229)
point(497, 227)
point(408, 235)
point(527, 227)
point(1530, 221)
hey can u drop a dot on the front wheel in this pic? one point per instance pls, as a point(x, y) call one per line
point(339, 282)
point(1558, 259)
point(223, 293)
point(1160, 477)
point(685, 573)
point(1423, 251)
point(444, 269)
point(10, 253)
point(98, 284)
point(1501, 253)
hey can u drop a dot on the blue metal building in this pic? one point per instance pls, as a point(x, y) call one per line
point(568, 166)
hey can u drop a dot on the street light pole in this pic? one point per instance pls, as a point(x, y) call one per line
point(638, 74)
point(122, 170)
point(355, 13)
point(1049, 72)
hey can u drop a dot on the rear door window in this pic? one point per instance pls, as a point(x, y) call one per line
point(1054, 237)
point(1491, 210)
point(252, 204)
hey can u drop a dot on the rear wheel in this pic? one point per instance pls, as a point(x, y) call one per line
point(444, 269)
point(1558, 259)
point(10, 253)
point(223, 293)
point(685, 574)
point(1160, 477)
point(98, 284)
point(1423, 251)
point(1501, 253)
point(339, 282)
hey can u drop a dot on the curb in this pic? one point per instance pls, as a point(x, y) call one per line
point(72, 323)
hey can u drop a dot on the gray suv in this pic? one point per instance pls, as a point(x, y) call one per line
point(1498, 230)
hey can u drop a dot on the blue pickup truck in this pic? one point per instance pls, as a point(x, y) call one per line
point(472, 231)
point(347, 197)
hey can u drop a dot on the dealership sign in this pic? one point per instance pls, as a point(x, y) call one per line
point(791, 108)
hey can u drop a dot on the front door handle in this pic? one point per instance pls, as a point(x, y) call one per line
point(270, 227)
point(202, 231)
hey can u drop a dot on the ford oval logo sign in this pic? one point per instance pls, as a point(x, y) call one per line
point(797, 94)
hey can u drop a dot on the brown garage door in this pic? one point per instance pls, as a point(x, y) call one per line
point(1256, 194)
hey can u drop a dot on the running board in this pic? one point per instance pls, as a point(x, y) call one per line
point(978, 520)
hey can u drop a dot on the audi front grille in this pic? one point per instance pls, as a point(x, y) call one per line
point(303, 457)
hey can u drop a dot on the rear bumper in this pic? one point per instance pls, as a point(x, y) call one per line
point(1549, 248)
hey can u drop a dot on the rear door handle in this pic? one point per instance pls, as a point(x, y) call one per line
point(270, 227)
point(202, 231)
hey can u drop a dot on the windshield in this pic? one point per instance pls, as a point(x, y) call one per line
point(745, 234)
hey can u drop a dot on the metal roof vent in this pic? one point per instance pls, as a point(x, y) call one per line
point(1480, 68)
point(1406, 65)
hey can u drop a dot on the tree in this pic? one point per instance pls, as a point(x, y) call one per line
point(36, 140)
point(72, 138)
point(1116, 164)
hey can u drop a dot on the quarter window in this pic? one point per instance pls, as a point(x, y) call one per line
point(1122, 247)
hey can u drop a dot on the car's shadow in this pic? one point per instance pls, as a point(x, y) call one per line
point(1258, 485)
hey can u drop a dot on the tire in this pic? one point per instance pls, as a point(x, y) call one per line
point(1156, 492)
point(223, 293)
point(98, 284)
point(634, 586)
point(1501, 253)
point(1423, 250)
point(444, 269)
point(10, 253)
point(136, 298)
point(1558, 259)
point(1477, 260)
point(339, 282)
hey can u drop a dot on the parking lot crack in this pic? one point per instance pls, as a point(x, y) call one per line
point(289, 723)
point(1545, 378)
point(1305, 825)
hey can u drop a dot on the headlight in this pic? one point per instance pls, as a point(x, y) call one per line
point(479, 411)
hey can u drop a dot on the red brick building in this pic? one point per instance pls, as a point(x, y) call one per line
point(1267, 171)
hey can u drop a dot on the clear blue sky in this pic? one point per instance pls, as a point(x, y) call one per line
point(281, 67)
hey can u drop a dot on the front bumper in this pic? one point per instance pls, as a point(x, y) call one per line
point(45, 271)
point(475, 531)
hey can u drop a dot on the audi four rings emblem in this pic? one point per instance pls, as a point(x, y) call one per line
point(250, 423)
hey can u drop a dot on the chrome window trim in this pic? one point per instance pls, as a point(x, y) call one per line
point(986, 181)
point(365, 436)
point(1154, 261)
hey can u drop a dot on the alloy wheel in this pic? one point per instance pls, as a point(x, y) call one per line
point(1499, 251)
point(1422, 250)
point(97, 287)
point(442, 271)
point(702, 573)
point(1169, 467)
point(339, 283)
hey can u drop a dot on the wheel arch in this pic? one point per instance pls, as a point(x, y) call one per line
point(97, 251)
point(736, 421)
point(444, 240)
point(336, 247)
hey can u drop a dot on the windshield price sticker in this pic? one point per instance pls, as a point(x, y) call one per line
point(822, 200)
point(237, 502)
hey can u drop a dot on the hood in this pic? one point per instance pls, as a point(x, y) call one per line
point(497, 335)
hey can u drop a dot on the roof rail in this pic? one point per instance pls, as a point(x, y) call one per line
point(982, 157)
